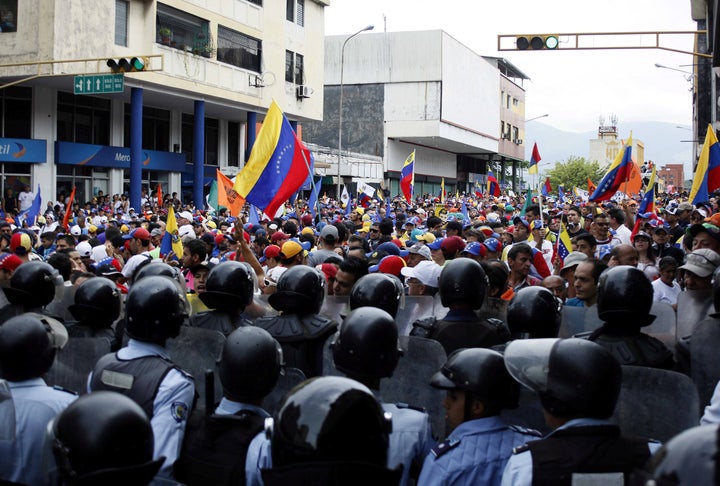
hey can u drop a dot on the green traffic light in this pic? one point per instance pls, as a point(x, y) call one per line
point(551, 42)
point(138, 64)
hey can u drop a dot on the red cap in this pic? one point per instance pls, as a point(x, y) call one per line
point(9, 262)
point(279, 235)
point(452, 244)
point(391, 264)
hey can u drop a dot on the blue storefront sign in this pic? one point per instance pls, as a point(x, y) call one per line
point(69, 153)
point(23, 150)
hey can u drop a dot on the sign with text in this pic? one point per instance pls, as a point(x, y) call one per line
point(99, 83)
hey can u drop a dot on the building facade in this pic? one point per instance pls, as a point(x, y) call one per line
point(672, 175)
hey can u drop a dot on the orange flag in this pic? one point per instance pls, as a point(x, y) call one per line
point(227, 196)
point(68, 210)
point(591, 186)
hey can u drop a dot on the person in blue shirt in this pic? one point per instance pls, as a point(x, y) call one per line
point(578, 383)
point(480, 443)
point(28, 344)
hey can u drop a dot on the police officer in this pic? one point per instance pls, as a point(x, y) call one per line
point(625, 297)
point(155, 309)
point(299, 329)
point(462, 289)
point(578, 383)
point(480, 443)
point(28, 344)
point(380, 290)
point(97, 306)
point(366, 349)
point(533, 313)
point(104, 438)
point(215, 447)
point(228, 291)
point(32, 287)
point(330, 431)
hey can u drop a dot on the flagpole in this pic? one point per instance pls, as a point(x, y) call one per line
point(312, 180)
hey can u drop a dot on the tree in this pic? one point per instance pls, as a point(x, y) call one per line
point(574, 172)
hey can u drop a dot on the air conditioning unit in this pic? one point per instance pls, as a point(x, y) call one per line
point(304, 91)
point(518, 141)
point(505, 136)
point(256, 81)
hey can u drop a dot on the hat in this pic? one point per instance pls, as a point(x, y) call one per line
point(573, 260)
point(702, 262)
point(108, 267)
point(711, 229)
point(9, 262)
point(306, 219)
point(329, 233)
point(279, 235)
point(270, 251)
point(422, 250)
point(390, 248)
point(186, 231)
point(493, 217)
point(475, 248)
point(290, 249)
point(537, 224)
point(663, 227)
point(670, 209)
point(273, 275)
point(493, 244)
point(273, 226)
point(391, 264)
point(92, 228)
point(686, 206)
point(156, 232)
point(435, 245)
point(75, 230)
point(20, 243)
point(328, 269)
point(714, 219)
point(211, 224)
point(84, 249)
point(642, 234)
point(307, 230)
point(701, 211)
point(427, 237)
point(428, 272)
point(518, 220)
point(185, 215)
point(139, 233)
point(452, 244)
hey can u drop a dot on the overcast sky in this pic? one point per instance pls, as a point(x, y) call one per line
point(574, 87)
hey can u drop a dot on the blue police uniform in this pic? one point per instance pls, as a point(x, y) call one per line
point(171, 406)
point(34, 405)
point(474, 453)
point(258, 457)
point(519, 469)
point(411, 438)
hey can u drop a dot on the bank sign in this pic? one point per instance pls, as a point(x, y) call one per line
point(22, 150)
point(82, 154)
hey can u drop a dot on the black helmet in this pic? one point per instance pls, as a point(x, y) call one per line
point(229, 287)
point(97, 302)
point(104, 438)
point(158, 268)
point(572, 376)
point(28, 344)
point(533, 313)
point(689, 458)
point(32, 285)
point(330, 419)
point(300, 290)
point(380, 290)
point(463, 281)
point(250, 364)
point(367, 344)
point(481, 372)
point(156, 307)
point(625, 293)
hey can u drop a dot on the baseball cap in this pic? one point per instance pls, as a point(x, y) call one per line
point(427, 272)
point(270, 251)
point(20, 243)
point(701, 211)
point(306, 219)
point(139, 233)
point(435, 245)
point(329, 233)
point(307, 230)
point(518, 220)
point(279, 235)
point(75, 230)
point(108, 267)
point(709, 228)
point(452, 244)
point(475, 248)
point(185, 215)
point(84, 249)
point(670, 209)
point(391, 264)
point(9, 262)
point(290, 249)
point(702, 262)
point(391, 248)
point(573, 260)
point(422, 250)
point(685, 206)
point(156, 232)
point(427, 237)
point(538, 224)
point(493, 244)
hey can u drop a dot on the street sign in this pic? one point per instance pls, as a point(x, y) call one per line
point(99, 83)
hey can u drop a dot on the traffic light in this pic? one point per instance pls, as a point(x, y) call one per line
point(124, 65)
point(537, 42)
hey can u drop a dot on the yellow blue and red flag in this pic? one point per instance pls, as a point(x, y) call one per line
point(707, 174)
point(171, 239)
point(407, 177)
point(279, 164)
point(534, 160)
point(546, 188)
point(563, 245)
point(647, 205)
point(618, 172)
point(493, 187)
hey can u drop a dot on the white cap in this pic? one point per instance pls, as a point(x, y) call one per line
point(428, 272)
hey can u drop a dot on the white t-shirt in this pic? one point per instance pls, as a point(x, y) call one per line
point(547, 251)
point(665, 293)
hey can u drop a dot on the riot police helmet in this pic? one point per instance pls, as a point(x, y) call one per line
point(97, 301)
point(28, 345)
point(533, 313)
point(158, 268)
point(32, 285)
point(155, 309)
point(300, 290)
point(330, 419)
point(463, 283)
point(250, 364)
point(104, 438)
point(380, 290)
point(367, 344)
point(573, 377)
point(229, 287)
point(625, 294)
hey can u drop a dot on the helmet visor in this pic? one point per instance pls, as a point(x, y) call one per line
point(528, 360)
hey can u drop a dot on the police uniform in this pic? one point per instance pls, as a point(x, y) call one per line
point(410, 440)
point(520, 467)
point(461, 329)
point(474, 453)
point(34, 404)
point(170, 406)
point(258, 457)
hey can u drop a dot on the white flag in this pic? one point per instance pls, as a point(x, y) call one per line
point(344, 196)
point(365, 188)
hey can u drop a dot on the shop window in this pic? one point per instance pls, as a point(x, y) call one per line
point(8, 15)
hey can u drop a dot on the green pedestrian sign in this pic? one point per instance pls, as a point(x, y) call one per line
point(99, 83)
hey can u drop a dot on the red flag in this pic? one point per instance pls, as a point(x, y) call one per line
point(159, 195)
point(68, 210)
point(227, 196)
point(591, 186)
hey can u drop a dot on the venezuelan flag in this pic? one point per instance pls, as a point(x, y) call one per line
point(618, 173)
point(407, 177)
point(647, 205)
point(171, 239)
point(707, 173)
point(564, 245)
point(493, 187)
point(278, 165)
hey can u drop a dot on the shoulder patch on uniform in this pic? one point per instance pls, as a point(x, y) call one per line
point(521, 448)
point(525, 430)
point(444, 446)
point(411, 407)
point(179, 411)
point(59, 388)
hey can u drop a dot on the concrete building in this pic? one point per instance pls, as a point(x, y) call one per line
point(607, 145)
point(672, 175)
point(418, 91)
point(212, 66)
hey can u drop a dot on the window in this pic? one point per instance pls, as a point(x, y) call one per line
point(83, 119)
point(239, 49)
point(296, 11)
point(8, 15)
point(181, 30)
point(233, 144)
point(150, 179)
point(16, 112)
point(299, 74)
point(155, 130)
point(88, 181)
point(121, 22)
point(289, 66)
point(294, 68)
point(256, 2)
point(211, 139)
